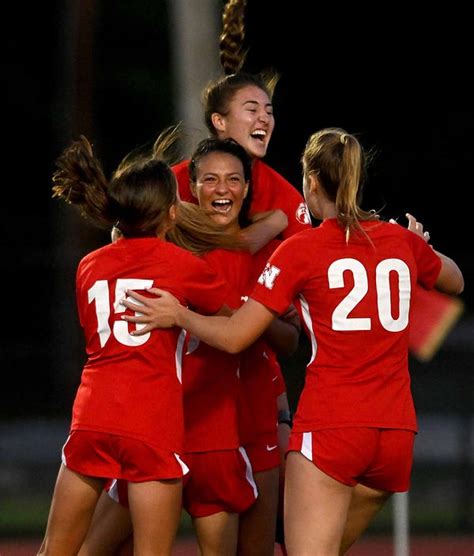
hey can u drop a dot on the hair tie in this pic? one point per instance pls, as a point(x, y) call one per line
point(343, 138)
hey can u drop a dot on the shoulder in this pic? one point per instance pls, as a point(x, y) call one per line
point(181, 168)
point(92, 256)
point(262, 171)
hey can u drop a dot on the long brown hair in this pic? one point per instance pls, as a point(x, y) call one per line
point(137, 198)
point(339, 161)
point(218, 94)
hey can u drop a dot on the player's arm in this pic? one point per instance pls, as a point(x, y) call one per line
point(450, 279)
point(284, 332)
point(230, 334)
point(265, 227)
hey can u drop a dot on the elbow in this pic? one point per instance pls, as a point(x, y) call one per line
point(459, 286)
point(450, 280)
point(456, 285)
point(233, 347)
point(283, 218)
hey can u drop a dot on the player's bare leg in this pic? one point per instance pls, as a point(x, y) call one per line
point(316, 507)
point(258, 524)
point(155, 509)
point(110, 526)
point(365, 504)
point(74, 499)
point(217, 533)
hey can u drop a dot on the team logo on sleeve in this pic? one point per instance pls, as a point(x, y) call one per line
point(268, 276)
point(302, 214)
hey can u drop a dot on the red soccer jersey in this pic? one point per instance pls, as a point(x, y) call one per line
point(356, 301)
point(259, 370)
point(131, 386)
point(211, 384)
point(270, 191)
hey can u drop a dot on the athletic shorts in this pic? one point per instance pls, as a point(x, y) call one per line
point(108, 456)
point(377, 458)
point(218, 481)
point(263, 455)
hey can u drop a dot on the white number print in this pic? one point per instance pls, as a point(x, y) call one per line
point(100, 294)
point(340, 316)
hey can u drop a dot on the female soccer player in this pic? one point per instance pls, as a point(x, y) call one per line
point(127, 419)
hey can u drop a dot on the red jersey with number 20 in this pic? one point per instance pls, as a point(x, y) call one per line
point(356, 301)
point(131, 385)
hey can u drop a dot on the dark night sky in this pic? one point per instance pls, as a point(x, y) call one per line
point(395, 80)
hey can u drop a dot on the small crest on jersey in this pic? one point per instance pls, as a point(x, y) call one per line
point(268, 276)
point(302, 214)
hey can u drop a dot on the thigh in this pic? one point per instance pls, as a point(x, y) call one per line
point(155, 509)
point(217, 533)
point(316, 508)
point(111, 525)
point(74, 499)
point(258, 524)
point(365, 505)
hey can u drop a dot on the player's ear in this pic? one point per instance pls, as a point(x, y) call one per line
point(313, 182)
point(218, 121)
point(172, 212)
point(192, 187)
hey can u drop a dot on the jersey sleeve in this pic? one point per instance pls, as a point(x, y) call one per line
point(181, 173)
point(282, 278)
point(272, 191)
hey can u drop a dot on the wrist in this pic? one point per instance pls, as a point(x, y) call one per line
point(284, 417)
point(180, 316)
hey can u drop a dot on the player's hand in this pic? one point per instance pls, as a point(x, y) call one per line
point(153, 312)
point(415, 227)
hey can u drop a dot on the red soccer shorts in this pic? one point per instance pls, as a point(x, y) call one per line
point(218, 481)
point(99, 454)
point(264, 454)
point(377, 458)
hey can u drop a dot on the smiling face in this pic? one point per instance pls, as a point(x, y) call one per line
point(249, 120)
point(220, 188)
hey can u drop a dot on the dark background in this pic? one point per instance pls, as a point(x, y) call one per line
point(394, 80)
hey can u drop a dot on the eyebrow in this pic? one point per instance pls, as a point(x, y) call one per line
point(227, 174)
point(267, 105)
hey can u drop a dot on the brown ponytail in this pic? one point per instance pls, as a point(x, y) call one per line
point(232, 53)
point(339, 162)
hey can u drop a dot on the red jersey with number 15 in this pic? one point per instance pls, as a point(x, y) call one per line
point(131, 385)
point(356, 299)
